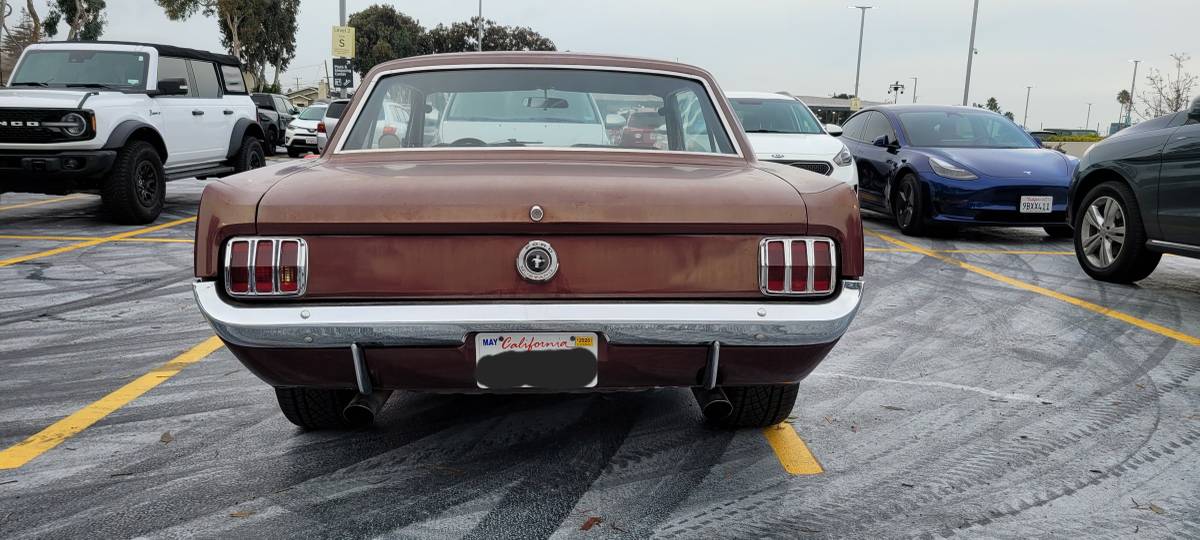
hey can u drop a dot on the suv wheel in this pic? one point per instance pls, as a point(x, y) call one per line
point(758, 406)
point(315, 408)
point(133, 193)
point(1110, 240)
point(249, 156)
point(272, 141)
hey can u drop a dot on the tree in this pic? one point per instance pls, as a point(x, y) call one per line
point(21, 35)
point(1167, 95)
point(85, 19)
point(993, 105)
point(258, 32)
point(381, 33)
point(235, 17)
point(276, 40)
point(1009, 115)
point(464, 37)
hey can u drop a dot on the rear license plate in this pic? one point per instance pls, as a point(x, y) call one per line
point(1036, 204)
point(554, 360)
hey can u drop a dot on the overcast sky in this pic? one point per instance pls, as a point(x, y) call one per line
point(1071, 51)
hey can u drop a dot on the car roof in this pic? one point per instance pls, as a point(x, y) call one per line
point(548, 58)
point(163, 50)
point(759, 95)
point(920, 107)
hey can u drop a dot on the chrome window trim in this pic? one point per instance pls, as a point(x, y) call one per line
point(712, 97)
point(276, 252)
point(809, 286)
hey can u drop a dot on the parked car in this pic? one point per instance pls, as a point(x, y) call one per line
point(487, 118)
point(782, 129)
point(1136, 195)
point(956, 166)
point(122, 119)
point(301, 135)
point(274, 115)
point(333, 113)
point(539, 265)
point(643, 129)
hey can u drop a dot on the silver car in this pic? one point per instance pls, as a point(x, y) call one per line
point(332, 114)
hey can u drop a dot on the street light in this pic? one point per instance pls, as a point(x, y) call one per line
point(479, 46)
point(862, 22)
point(1025, 119)
point(914, 80)
point(1129, 114)
point(1088, 122)
point(970, 53)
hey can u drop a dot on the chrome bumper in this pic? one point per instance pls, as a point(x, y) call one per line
point(449, 324)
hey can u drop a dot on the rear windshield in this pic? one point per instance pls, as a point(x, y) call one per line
point(312, 113)
point(336, 108)
point(538, 108)
point(263, 100)
point(82, 68)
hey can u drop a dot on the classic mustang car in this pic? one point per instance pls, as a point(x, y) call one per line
point(515, 258)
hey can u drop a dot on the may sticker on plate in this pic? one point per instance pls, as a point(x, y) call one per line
point(551, 360)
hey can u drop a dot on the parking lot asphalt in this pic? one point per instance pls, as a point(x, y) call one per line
point(988, 388)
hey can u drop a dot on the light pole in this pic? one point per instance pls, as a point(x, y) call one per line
point(1025, 119)
point(1088, 122)
point(862, 23)
point(896, 89)
point(479, 46)
point(914, 80)
point(1129, 114)
point(970, 53)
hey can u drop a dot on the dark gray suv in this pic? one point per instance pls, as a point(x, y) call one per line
point(1136, 195)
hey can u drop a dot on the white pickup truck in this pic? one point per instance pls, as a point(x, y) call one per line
point(122, 119)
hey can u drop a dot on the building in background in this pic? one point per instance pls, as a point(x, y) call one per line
point(832, 110)
point(308, 95)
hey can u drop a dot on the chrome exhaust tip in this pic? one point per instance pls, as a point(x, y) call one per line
point(714, 404)
point(361, 410)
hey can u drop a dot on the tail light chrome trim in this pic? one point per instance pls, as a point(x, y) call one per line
point(788, 286)
point(251, 287)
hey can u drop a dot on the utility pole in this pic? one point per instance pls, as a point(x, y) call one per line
point(970, 53)
point(862, 23)
point(479, 46)
point(1129, 114)
point(1025, 120)
point(342, 22)
point(1088, 122)
point(4, 8)
point(914, 80)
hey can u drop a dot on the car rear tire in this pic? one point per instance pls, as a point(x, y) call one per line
point(1059, 231)
point(134, 191)
point(1110, 239)
point(272, 141)
point(908, 206)
point(315, 408)
point(758, 406)
point(249, 156)
point(292, 152)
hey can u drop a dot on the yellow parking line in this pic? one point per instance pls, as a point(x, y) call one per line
point(41, 202)
point(975, 251)
point(94, 242)
point(1095, 308)
point(38, 444)
point(793, 454)
point(53, 238)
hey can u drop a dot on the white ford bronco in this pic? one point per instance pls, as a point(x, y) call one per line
point(122, 119)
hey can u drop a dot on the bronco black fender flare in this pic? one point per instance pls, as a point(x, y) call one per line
point(244, 127)
point(139, 130)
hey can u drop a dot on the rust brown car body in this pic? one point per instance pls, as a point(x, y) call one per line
point(441, 227)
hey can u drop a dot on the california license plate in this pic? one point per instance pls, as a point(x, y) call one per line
point(1036, 204)
point(553, 360)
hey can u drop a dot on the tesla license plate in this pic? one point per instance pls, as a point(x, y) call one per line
point(554, 360)
point(1036, 204)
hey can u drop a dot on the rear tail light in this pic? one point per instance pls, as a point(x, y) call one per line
point(797, 266)
point(321, 127)
point(266, 266)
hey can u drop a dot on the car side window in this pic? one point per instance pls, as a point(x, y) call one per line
point(234, 83)
point(692, 124)
point(176, 68)
point(281, 105)
point(878, 126)
point(205, 73)
point(854, 126)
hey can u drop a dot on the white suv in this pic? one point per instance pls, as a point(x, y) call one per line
point(782, 129)
point(122, 119)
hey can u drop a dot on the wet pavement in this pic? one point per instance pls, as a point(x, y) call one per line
point(959, 404)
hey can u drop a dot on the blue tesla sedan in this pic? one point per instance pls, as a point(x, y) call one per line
point(937, 164)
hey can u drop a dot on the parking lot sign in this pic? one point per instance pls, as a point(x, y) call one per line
point(343, 42)
point(343, 74)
